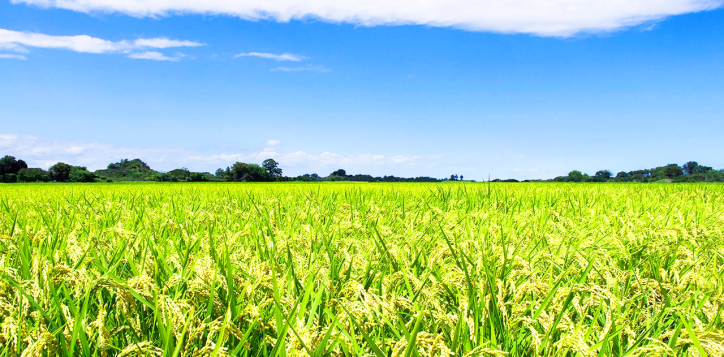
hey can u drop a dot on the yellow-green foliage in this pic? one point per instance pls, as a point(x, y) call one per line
point(361, 269)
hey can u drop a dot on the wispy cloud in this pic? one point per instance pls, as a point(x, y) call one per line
point(18, 57)
point(44, 152)
point(296, 158)
point(80, 43)
point(281, 57)
point(162, 42)
point(15, 40)
point(320, 69)
point(539, 17)
point(13, 47)
point(154, 56)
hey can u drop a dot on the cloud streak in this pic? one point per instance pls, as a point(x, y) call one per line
point(281, 57)
point(13, 47)
point(17, 41)
point(304, 159)
point(320, 69)
point(539, 17)
point(154, 56)
point(44, 152)
point(163, 42)
point(17, 57)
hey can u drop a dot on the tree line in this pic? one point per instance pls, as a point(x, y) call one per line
point(691, 171)
point(15, 170)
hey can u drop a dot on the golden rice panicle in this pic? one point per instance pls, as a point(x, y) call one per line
point(357, 269)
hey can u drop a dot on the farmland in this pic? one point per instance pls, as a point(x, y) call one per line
point(442, 269)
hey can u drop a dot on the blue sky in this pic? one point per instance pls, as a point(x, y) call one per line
point(524, 92)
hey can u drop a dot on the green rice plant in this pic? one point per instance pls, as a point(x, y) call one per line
point(361, 269)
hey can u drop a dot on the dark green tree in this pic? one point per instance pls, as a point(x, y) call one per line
point(640, 175)
point(693, 167)
point(81, 174)
point(272, 168)
point(623, 176)
point(248, 172)
point(575, 176)
point(602, 176)
point(9, 168)
point(60, 172)
point(690, 167)
point(128, 170)
point(672, 171)
point(32, 175)
point(339, 172)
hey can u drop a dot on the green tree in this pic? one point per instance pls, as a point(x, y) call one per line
point(602, 176)
point(693, 167)
point(672, 171)
point(623, 177)
point(248, 172)
point(272, 168)
point(181, 174)
point(339, 172)
point(690, 167)
point(32, 175)
point(81, 174)
point(60, 172)
point(129, 170)
point(9, 168)
point(640, 175)
point(575, 176)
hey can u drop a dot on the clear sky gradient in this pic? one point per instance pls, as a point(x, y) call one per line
point(387, 90)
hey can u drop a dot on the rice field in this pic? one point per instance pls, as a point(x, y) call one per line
point(344, 269)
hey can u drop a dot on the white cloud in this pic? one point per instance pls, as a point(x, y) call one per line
point(301, 158)
point(80, 43)
point(320, 69)
point(155, 56)
point(13, 47)
point(15, 40)
point(540, 17)
point(162, 42)
point(401, 159)
point(281, 57)
point(272, 142)
point(18, 57)
point(44, 152)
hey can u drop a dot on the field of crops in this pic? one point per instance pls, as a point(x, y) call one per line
point(447, 269)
